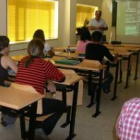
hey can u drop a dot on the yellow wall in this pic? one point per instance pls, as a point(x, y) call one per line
point(107, 16)
point(2, 17)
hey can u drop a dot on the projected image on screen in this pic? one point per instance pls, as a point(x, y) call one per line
point(128, 21)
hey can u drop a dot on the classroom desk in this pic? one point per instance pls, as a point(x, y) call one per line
point(135, 49)
point(90, 69)
point(77, 56)
point(17, 100)
point(127, 56)
point(71, 79)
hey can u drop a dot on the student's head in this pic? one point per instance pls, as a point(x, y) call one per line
point(39, 34)
point(96, 36)
point(35, 48)
point(4, 44)
point(98, 14)
point(85, 34)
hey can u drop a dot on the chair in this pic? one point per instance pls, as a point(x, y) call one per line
point(95, 78)
point(122, 49)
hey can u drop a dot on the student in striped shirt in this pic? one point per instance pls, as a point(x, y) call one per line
point(34, 70)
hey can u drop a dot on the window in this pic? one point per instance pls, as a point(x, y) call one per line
point(26, 16)
point(84, 13)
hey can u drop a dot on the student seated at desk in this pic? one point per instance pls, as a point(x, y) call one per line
point(85, 38)
point(97, 51)
point(48, 50)
point(128, 122)
point(5, 63)
point(33, 70)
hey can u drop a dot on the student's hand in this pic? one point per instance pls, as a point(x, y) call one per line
point(116, 57)
point(104, 62)
point(51, 86)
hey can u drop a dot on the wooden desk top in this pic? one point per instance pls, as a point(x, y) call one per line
point(17, 99)
point(132, 45)
point(83, 65)
point(71, 78)
point(127, 47)
point(125, 54)
point(64, 54)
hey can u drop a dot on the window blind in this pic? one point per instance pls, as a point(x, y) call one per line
point(26, 16)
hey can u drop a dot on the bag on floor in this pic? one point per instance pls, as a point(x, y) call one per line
point(8, 118)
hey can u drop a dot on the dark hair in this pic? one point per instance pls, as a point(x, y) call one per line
point(4, 42)
point(96, 36)
point(85, 34)
point(39, 34)
point(35, 49)
point(99, 11)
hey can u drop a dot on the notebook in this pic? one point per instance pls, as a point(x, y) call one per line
point(67, 61)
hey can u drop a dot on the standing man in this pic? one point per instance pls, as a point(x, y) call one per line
point(97, 23)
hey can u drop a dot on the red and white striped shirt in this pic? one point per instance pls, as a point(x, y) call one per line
point(37, 73)
point(128, 123)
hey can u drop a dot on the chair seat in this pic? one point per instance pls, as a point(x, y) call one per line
point(95, 78)
point(41, 118)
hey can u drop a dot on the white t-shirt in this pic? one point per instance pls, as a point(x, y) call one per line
point(95, 23)
point(47, 47)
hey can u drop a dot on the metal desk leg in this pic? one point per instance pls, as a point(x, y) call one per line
point(127, 76)
point(68, 111)
point(68, 108)
point(32, 122)
point(136, 68)
point(120, 80)
point(73, 114)
point(89, 82)
point(22, 127)
point(98, 96)
point(115, 82)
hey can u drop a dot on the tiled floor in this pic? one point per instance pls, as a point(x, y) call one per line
point(88, 128)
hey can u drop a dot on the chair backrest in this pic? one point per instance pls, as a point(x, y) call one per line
point(27, 88)
point(89, 62)
point(67, 71)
